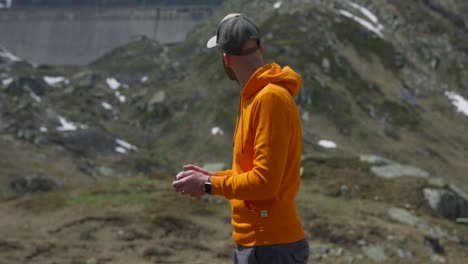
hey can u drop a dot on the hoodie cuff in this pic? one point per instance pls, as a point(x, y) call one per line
point(216, 185)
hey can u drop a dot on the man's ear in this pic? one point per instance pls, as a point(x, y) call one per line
point(261, 49)
point(227, 59)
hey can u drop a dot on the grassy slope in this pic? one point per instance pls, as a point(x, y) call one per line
point(142, 220)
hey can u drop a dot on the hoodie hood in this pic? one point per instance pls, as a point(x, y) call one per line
point(273, 74)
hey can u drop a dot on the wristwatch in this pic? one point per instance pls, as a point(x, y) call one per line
point(208, 185)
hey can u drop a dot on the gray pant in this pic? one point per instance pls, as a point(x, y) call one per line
point(294, 253)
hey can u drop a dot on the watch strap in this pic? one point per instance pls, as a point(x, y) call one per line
point(208, 185)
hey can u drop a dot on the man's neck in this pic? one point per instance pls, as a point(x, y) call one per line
point(247, 74)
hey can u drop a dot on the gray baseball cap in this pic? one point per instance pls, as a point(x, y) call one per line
point(233, 31)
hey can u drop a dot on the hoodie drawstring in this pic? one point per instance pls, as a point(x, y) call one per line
point(239, 119)
point(242, 125)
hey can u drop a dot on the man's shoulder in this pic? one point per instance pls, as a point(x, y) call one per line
point(274, 88)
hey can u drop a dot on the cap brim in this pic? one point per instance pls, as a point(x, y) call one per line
point(212, 42)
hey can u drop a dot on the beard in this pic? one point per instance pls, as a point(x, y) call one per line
point(229, 72)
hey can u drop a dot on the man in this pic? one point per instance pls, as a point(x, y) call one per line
point(264, 179)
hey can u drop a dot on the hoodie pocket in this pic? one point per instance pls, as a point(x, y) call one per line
point(243, 216)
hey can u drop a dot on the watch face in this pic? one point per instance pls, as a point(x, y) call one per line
point(208, 187)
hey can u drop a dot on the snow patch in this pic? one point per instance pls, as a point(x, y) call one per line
point(43, 129)
point(277, 5)
point(121, 98)
point(121, 150)
point(371, 22)
point(7, 81)
point(106, 106)
point(217, 131)
point(327, 143)
point(66, 125)
point(35, 97)
point(113, 83)
point(144, 79)
point(458, 101)
point(363, 22)
point(373, 18)
point(55, 80)
point(8, 55)
point(125, 144)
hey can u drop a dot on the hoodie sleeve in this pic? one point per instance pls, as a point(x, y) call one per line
point(224, 173)
point(271, 123)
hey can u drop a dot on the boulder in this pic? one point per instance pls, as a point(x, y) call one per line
point(156, 106)
point(27, 85)
point(404, 216)
point(87, 141)
point(446, 202)
point(398, 170)
point(33, 183)
point(376, 252)
point(388, 169)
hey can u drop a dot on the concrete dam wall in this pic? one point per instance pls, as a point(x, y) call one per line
point(80, 35)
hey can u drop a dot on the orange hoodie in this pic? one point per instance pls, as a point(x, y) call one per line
point(264, 179)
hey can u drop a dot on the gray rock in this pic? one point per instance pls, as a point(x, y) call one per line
point(92, 261)
point(106, 171)
point(462, 221)
point(87, 141)
point(33, 183)
point(398, 170)
point(375, 252)
point(446, 203)
point(158, 97)
point(435, 63)
point(375, 160)
point(404, 216)
point(326, 65)
point(403, 253)
point(433, 197)
point(344, 189)
point(27, 85)
point(434, 245)
point(156, 106)
point(321, 251)
point(438, 259)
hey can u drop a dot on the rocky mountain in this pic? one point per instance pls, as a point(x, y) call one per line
point(384, 120)
point(104, 3)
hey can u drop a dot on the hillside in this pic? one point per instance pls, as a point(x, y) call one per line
point(106, 3)
point(88, 154)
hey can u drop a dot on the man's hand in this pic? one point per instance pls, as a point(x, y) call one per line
point(196, 168)
point(191, 182)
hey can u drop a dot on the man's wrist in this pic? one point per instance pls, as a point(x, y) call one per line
point(208, 185)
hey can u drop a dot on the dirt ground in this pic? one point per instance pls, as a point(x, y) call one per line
point(141, 220)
